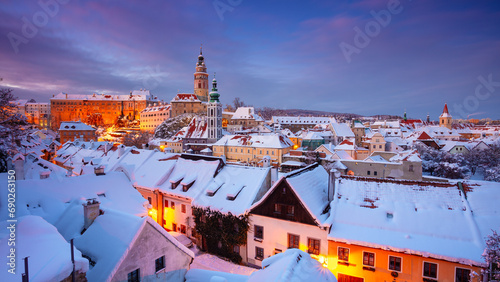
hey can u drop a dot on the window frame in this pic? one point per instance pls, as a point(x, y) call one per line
point(313, 252)
point(338, 254)
point(374, 256)
point(162, 266)
point(257, 251)
point(290, 235)
point(400, 264)
point(130, 275)
point(456, 268)
point(255, 233)
point(423, 270)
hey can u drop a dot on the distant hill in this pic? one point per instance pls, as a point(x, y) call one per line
point(268, 113)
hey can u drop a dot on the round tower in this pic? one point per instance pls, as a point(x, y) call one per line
point(201, 79)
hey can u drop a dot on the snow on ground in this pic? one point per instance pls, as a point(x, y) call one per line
point(214, 263)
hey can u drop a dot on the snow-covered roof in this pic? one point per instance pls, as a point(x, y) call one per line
point(75, 125)
point(197, 128)
point(48, 251)
point(302, 120)
point(159, 108)
point(346, 145)
point(234, 189)
point(376, 159)
point(407, 156)
point(310, 184)
point(50, 198)
point(329, 147)
point(312, 135)
point(293, 265)
point(246, 113)
point(136, 95)
point(184, 97)
point(274, 140)
point(110, 237)
point(428, 219)
point(342, 129)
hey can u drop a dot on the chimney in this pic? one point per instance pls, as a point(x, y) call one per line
point(274, 175)
point(44, 174)
point(69, 172)
point(90, 212)
point(333, 174)
point(121, 150)
point(19, 167)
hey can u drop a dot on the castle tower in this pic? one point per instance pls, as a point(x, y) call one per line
point(201, 79)
point(214, 114)
point(445, 118)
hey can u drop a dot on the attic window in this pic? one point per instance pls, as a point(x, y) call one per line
point(213, 188)
point(73, 127)
point(234, 191)
point(389, 215)
point(174, 184)
point(186, 186)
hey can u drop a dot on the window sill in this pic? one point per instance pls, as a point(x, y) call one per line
point(429, 279)
point(160, 270)
point(258, 239)
point(259, 258)
point(369, 268)
point(343, 262)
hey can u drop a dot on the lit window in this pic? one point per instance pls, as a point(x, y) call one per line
point(343, 254)
point(293, 241)
point(395, 263)
point(172, 204)
point(313, 246)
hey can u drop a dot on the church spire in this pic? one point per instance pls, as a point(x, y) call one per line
point(214, 95)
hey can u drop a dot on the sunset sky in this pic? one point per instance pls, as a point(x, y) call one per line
point(284, 54)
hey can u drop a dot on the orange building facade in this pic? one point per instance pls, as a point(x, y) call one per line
point(354, 263)
point(98, 108)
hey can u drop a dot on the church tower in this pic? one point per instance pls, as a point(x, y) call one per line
point(445, 118)
point(214, 114)
point(201, 79)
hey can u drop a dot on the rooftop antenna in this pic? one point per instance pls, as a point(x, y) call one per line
point(201, 46)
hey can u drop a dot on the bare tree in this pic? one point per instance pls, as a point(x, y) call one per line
point(11, 125)
point(237, 102)
point(136, 138)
